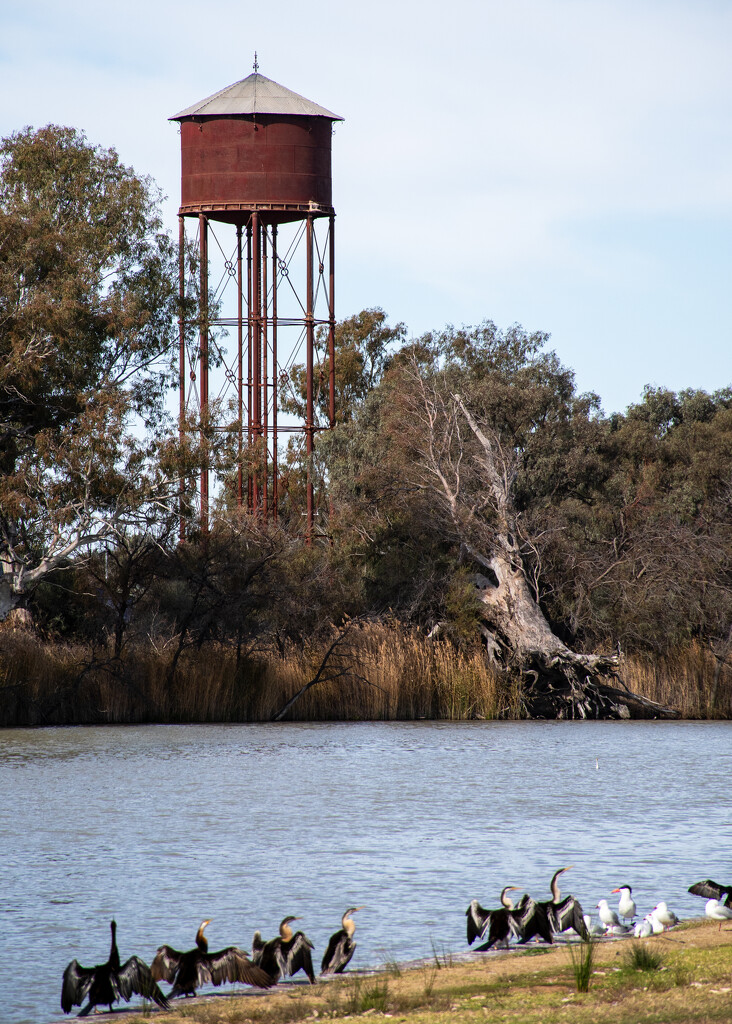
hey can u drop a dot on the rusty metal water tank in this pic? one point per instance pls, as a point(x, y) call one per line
point(255, 145)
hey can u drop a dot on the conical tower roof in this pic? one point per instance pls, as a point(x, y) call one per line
point(254, 95)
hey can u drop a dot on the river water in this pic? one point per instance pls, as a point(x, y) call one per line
point(163, 826)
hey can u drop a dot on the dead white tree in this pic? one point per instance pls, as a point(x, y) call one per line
point(471, 470)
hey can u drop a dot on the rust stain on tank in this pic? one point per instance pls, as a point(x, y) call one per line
point(265, 161)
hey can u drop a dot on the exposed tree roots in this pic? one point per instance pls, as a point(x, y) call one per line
point(564, 691)
point(557, 682)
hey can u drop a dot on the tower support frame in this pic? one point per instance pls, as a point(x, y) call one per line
point(262, 363)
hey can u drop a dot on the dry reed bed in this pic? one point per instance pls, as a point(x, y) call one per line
point(689, 680)
point(382, 672)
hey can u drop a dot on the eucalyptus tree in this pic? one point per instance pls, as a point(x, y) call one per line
point(88, 306)
point(445, 471)
point(364, 344)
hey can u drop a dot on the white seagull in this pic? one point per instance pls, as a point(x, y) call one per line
point(644, 928)
point(656, 925)
point(665, 916)
point(608, 917)
point(718, 912)
point(618, 929)
point(592, 929)
point(626, 903)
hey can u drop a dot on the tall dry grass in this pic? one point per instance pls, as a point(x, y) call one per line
point(394, 673)
point(383, 671)
point(688, 679)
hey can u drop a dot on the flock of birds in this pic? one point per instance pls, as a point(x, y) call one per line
point(280, 957)
point(545, 918)
point(290, 952)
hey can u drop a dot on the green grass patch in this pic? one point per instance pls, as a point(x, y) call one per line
point(367, 994)
point(582, 956)
point(640, 956)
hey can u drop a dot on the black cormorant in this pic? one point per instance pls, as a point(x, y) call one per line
point(522, 922)
point(712, 891)
point(341, 946)
point(189, 971)
point(286, 954)
point(107, 983)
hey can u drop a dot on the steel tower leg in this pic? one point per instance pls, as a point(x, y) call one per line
point(309, 411)
point(331, 325)
point(240, 369)
point(254, 316)
point(203, 365)
point(265, 377)
point(275, 382)
point(250, 382)
point(181, 365)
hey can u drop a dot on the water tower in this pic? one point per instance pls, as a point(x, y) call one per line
point(256, 161)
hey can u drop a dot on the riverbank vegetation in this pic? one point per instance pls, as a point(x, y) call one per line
point(684, 977)
point(490, 543)
point(384, 672)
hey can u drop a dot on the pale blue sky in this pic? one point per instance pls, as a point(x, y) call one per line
point(560, 163)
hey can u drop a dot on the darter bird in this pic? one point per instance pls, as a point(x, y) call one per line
point(522, 922)
point(341, 946)
point(196, 967)
point(285, 954)
point(107, 983)
point(564, 913)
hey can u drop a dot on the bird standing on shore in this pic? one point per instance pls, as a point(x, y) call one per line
point(496, 922)
point(190, 970)
point(341, 946)
point(664, 916)
point(564, 913)
point(523, 921)
point(607, 915)
point(644, 928)
point(626, 903)
point(109, 982)
point(718, 912)
point(285, 954)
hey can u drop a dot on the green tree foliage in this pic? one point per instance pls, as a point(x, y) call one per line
point(364, 347)
point(646, 557)
point(88, 294)
point(378, 460)
point(623, 523)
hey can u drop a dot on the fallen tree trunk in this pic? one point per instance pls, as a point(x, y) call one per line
point(557, 682)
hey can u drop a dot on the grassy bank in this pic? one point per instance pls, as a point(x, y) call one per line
point(379, 671)
point(686, 979)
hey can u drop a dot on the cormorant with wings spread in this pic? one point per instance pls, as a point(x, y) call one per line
point(109, 982)
point(564, 913)
point(285, 954)
point(521, 922)
point(712, 891)
point(196, 967)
